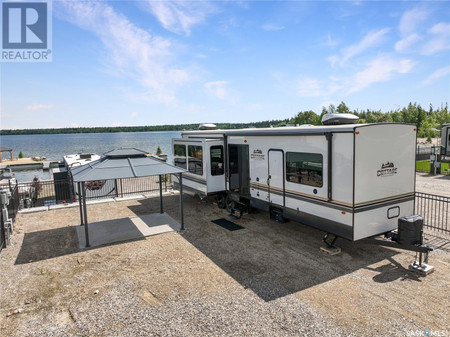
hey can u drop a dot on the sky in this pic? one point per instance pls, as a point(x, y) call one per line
point(130, 63)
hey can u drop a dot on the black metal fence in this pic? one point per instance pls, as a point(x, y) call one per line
point(423, 153)
point(52, 192)
point(2, 233)
point(435, 210)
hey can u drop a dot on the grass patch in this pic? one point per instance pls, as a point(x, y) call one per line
point(424, 166)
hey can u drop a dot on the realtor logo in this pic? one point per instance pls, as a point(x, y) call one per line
point(26, 31)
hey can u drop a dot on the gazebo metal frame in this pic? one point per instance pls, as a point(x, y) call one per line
point(123, 163)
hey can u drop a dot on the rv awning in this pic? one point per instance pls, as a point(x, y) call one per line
point(123, 163)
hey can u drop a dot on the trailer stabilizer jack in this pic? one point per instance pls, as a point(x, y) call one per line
point(329, 247)
point(421, 266)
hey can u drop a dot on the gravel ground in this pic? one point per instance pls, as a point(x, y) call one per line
point(269, 279)
point(438, 184)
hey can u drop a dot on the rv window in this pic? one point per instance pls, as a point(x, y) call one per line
point(217, 160)
point(304, 168)
point(195, 159)
point(179, 155)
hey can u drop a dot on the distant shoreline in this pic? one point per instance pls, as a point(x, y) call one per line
point(117, 129)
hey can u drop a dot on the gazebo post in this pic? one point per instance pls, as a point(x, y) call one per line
point(181, 201)
point(86, 225)
point(160, 195)
point(80, 203)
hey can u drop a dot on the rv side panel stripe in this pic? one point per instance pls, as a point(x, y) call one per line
point(384, 204)
point(337, 205)
point(370, 202)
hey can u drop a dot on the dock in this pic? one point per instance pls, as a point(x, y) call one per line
point(28, 164)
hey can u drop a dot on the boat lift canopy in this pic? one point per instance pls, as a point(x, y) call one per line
point(122, 163)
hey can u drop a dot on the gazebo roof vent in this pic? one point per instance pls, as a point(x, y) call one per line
point(125, 152)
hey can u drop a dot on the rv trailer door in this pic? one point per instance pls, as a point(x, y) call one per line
point(239, 168)
point(276, 177)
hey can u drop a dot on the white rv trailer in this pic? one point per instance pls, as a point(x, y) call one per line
point(445, 139)
point(353, 181)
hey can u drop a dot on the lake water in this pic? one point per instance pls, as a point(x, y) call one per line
point(54, 147)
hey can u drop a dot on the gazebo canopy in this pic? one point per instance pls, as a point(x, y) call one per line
point(123, 163)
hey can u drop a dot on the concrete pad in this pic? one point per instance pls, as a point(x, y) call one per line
point(99, 201)
point(158, 223)
point(423, 269)
point(132, 197)
point(34, 209)
point(59, 206)
point(104, 232)
point(117, 230)
point(330, 250)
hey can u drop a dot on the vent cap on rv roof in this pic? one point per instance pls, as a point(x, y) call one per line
point(207, 126)
point(339, 119)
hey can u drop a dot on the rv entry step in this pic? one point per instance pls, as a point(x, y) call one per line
point(237, 208)
point(277, 215)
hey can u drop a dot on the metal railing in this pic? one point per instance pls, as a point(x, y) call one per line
point(52, 192)
point(435, 210)
point(423, 153)
point(2, 233)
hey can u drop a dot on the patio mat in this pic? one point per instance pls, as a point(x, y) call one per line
point(231, 226)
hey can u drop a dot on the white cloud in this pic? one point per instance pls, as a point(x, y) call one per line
point(380, 69)
point(407, 42)
point(129, 50)
point(217, 89)
point(180, 16)
point(436, 75)
point(411, 20)
point(326, 104)
point(271, 27)
point(439, 40)
point(313, 87)
point(40, 107)
point(333, 59)
point(309, 87)
point(372, 39)
point(134, 114)
point(331, 42)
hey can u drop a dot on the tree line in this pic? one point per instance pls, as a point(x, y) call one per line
point(429, 122)
point(146, 128)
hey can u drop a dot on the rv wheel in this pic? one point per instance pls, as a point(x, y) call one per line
point(221, 201)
